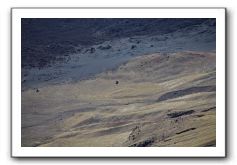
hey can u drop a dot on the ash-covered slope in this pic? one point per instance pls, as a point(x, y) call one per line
point(152, 100)
point(93, 31)
point(68, 50)
point(118, 82)
point(43, 40)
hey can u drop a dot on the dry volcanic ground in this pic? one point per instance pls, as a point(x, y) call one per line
point(155, 100)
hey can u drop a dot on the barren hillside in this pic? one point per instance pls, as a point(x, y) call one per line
point(155, 99)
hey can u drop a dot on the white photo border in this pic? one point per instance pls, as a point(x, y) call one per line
point(113, 12)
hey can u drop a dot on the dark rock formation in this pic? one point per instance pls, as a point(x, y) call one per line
point(135, 132)
point(133, 46)
point(180, 113)
point(144, 143)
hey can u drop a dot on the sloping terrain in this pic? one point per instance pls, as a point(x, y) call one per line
point(152, 100)
point(59, 64)
point(46, 40)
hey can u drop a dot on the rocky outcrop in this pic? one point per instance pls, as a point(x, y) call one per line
point(135, 132)
point(145, 143)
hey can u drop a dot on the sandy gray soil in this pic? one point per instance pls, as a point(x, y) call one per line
point(151, 100)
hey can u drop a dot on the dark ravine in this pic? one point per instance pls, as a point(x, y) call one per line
point(180, 113)
point(187, 91)
point(186, 130)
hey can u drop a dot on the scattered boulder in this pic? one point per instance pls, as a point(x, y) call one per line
point(117, 82)
point(78, 50)
point(92, 50)
point(133, 47)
